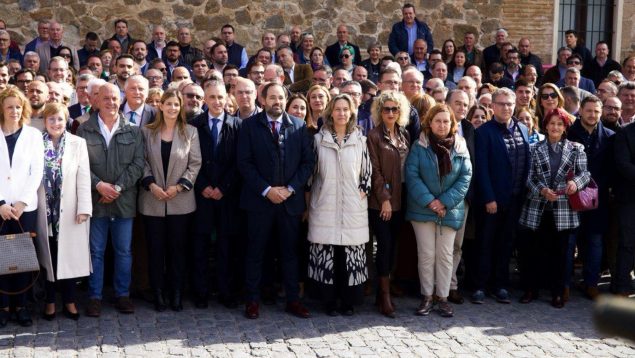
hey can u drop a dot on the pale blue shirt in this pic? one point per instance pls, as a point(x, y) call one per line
point(412, 37)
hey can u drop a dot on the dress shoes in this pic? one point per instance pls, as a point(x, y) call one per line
point(124, 305)
point(528, 297)
point(252, 310)
point(455, 297)
point(176, 304)
point(347, 310)
point(93, 309)
point(331, 309)
point(591, 292)
point(200, 302)
point(48, 316)
point(23, 316)
point(557, 302)
point(297, 309)
point(70, 315)
point(228, 302)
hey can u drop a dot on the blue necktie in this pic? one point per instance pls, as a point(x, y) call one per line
point(214, 134)
point(132, 120)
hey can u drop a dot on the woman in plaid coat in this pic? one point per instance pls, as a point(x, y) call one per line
point(558, 168)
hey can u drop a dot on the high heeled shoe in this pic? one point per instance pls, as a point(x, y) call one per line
point(70, 315)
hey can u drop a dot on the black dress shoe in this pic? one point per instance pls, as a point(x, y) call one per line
point(251, 310)
point(176, 303)
point(159, 301)
point(557, 302)
point(4, 318)
point(347, 310)
point(23, 316)
point(200, 301)
point(228, 302)
point(48, 316)
point(528, 296)
point(331, 309)
point(70, 315)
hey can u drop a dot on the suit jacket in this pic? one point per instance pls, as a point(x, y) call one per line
point(398, 38)
point(540, 175)
point(468, 135)
point(152, 52)
point(183, 167)
point(302, 76)
point(147, 116)
point(73, 249)
point(125, 46)
point(44, 50)
point(595, 73)
point(493, 167)
point(625, 164)
point(332, 54)
point(75, 110)
point(22, 176)
point(259, 153)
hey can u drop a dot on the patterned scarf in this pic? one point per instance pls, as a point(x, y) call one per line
point(442, 148)
point(53, 181)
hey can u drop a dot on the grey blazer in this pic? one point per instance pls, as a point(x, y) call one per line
point(44, 51)
point(185, 162)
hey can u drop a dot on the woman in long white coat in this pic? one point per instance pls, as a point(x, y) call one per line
point(338, 210)
point(64, 209)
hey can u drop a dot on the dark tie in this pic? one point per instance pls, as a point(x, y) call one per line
point(274, 131)
point(214, 134)
point(132, 120)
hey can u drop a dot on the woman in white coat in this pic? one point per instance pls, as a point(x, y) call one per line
point(338, 210)
point(64, 209)
point(21, 165)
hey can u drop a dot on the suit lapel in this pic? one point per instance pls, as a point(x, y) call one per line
point(544, 161)
point(176, 146)
point(567, 152)
point(155, 153)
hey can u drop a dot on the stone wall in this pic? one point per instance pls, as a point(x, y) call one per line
point(368, 20)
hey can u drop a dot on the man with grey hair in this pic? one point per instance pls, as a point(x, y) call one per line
point(274, 73)
point(323, 76)
point(134, 107)
point(58, 69)
point(42, 35)
point(411, 82)
point(606, 89)
point(571, 99)
point(155, 78)
point(156, 47)
point(557, 72)
point(48, 49)
point(193, 97)
point(502, 164)
point(93, 90)
point(32, 61)
point(468, 85)
point(245, 93)
point(6, 52)
point(492, 53)
point(340, 76)
point(83, 100)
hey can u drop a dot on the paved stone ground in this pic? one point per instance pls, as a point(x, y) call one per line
point(488, 330)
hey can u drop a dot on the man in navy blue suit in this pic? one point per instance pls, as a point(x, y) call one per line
point(502, 165)
point(276, 159)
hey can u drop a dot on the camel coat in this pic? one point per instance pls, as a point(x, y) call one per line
point(73, 255)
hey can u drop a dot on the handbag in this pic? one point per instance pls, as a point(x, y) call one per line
point(18, 255)
point(584, 199)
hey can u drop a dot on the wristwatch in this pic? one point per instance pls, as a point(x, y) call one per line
point(118, 188)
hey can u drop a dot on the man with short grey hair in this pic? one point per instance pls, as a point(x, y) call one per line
point(58, 69)
point(32, 61)
point(492, 53)
point(134, 107)
point(245, 93)
point(48, 49)
point(83, 101)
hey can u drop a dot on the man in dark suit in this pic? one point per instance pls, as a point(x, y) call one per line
point(155, 48)
point(217, 188)
point(297, 77)
point(405, 32)
point(502, 163)
point(276, 159)
point(332, 52)
point(134, 108)
point(83, 101)
point(121, 34)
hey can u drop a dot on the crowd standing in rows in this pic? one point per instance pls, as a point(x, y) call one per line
point(296, 158)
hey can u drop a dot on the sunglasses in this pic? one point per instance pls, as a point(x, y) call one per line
point(345, 56)
point(65, 55)
point(552, 95)
point(192, 95)
point(573, 63)
point(403, 59)
point(390, 109)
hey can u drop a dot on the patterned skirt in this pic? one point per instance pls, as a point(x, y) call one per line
point(322, 264)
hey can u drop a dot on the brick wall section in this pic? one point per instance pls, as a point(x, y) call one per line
point(532, 19)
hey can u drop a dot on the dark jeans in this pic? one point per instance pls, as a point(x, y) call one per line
point(18, 281)
point(387, 233)
point(166, 238)
point(261, 226)
point(495, 235)
point(66, 287)
point(543, 256)
point(625, 248)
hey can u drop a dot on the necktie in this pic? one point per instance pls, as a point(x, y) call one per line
point(132, 120)
point(86, 109)
point(214, 134)
point(274, 131)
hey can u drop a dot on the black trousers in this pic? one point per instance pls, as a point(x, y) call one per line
point(66, 286)
point(18, 281)
point(543, 256)
point(625, 248)
point(166, 238)
point(340, 290)
point(387, 233)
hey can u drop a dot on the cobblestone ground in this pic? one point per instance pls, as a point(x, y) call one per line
point(488, 330)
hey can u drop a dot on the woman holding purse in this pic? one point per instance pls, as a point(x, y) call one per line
point(64, 206)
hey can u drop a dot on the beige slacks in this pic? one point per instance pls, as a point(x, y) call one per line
point(435, 245)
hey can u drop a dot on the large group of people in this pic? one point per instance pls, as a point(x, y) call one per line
point(290, 163)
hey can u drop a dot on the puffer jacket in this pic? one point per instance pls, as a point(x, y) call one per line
point(337, 213)
point(424, 184)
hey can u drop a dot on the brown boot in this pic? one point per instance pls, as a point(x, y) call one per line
point(385, 305)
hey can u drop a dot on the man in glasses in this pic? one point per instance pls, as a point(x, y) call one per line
point(83, 100)
point(323, 76)
point(134, 107)
point(404, 33)
point(193, 97)
point(245, 94)
point(58, 69)
point(575, 61)
point(256, 72)
point(23, 77)
point(599, 67)
point(612, 114)
point(332, 52)
point(155, 77)
point(6, 53)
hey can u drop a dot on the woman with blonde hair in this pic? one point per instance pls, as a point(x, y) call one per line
point(338, 216)
point(173, 159)
point(318, 96)
point(388, 145)
point(549, 98)
point(63, 240)
point(438, 173)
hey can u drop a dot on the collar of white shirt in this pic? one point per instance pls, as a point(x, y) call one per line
point(138, 113)
point(210, 118)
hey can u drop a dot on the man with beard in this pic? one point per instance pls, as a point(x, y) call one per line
point(38, 94)
point(95, 66)
point(139, 52)
point(188, 52)
point(173, 59)
point(273, 196)
point(134, 107)
point(155, 48)
point(219, 57)
point(294, 35)
point(124, 68)
point(612, 114)
point(91, 43)
point(192, 100)
point(256, 72)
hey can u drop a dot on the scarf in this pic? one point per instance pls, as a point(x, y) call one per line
point(442, 148)
point(52, 181)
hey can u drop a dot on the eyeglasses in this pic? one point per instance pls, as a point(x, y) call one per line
point(257, 72)
point(612, 108)
point(65, 55)
point(389, 82)
point(428, 89)
point(231, 75)
point(403, 59)
point(552, 95)
point(193, 95)
point(345, 55)
point(24, 81)
point(414, 82)
point(162, 69)
point(390, 110)
point(353, 94)
point(573, 62)
point(155, 78)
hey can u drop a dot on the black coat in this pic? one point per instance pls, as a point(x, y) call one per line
point(332, 54)
point(624, 152)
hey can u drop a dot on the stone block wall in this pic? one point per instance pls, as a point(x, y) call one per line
point(368, 20)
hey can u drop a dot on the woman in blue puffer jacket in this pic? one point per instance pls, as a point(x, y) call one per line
point(438, 173)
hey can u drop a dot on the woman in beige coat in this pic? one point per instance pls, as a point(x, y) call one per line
point(173, 159)
point(338, 210)
point(64, 208)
